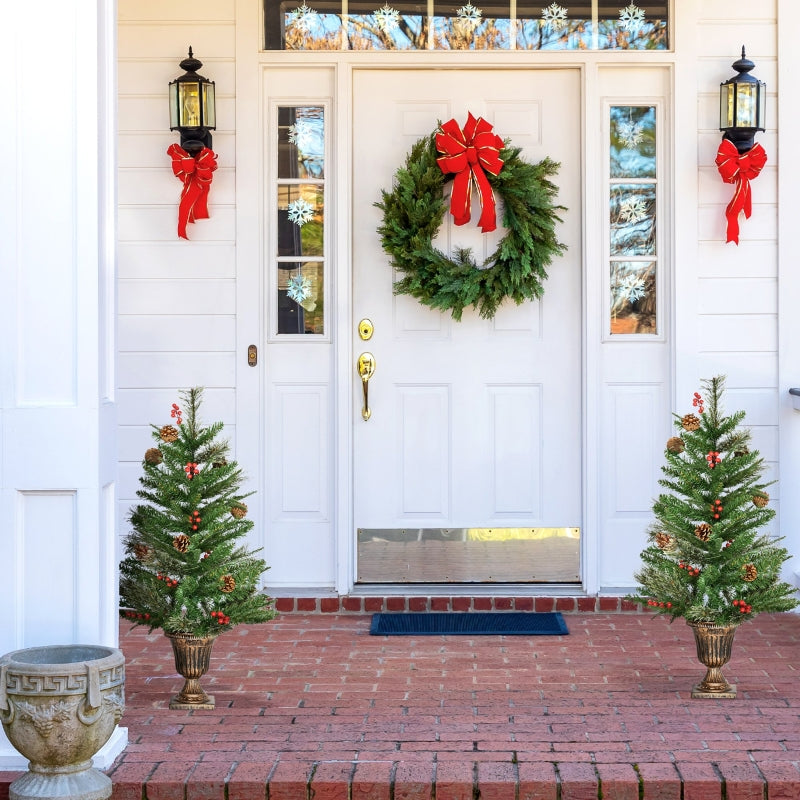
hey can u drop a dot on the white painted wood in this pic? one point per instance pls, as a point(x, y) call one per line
point(190, 297)
point(177, 11)
point(789, 319)
point(57, 303)
point(428, 456)
point(171, 39)
point(176, 333)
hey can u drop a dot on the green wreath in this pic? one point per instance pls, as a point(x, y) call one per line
point(413, 212)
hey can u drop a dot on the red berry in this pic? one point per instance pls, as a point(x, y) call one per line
point(194, 527)
point(669, 605)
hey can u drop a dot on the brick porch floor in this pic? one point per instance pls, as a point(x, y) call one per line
point(312, 706)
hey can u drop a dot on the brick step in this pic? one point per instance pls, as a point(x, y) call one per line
point(373, 604)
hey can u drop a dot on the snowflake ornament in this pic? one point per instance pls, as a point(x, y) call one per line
point(631, 134)
point(300, 212)
point(555, 16)
point(632, 209)
point(301, 134)
point(469, 15)
point(298, 288)
point(631, 17)
point(303, 18)
point(631, 287)
point(387, 18)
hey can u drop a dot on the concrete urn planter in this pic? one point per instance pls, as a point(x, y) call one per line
point(59, 705)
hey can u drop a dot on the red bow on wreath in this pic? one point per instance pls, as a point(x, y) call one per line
point(739, 169)
point(196, 172)
point(468, 153)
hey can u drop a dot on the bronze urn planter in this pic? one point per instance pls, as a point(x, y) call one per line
point(192, 660)
point(714, 645)
point(59, 705)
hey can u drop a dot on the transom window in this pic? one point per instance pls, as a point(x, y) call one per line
point(464, 25)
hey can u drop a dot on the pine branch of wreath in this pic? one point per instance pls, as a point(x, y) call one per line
point(414, 210)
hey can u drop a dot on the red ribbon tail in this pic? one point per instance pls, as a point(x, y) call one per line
point(488, 220)
point(460, 197)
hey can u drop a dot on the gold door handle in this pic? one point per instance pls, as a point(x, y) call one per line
point(366, 369)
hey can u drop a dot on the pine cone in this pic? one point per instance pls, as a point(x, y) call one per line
point(153, 456)
point(664, 540)
point(221, 463)
point(760, 499)
point(239, 511)
point(143, 552)
point(228, 583)
point(750, 572)
point(181, 542)
point(675, 445)
point(703, 531)
point(690, 422)
point(168, 433)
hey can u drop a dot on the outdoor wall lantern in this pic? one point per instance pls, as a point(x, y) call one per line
point(742, 112)
point(192, 112)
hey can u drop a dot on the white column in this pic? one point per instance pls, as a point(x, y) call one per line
point(788, 122)
point(57, 321)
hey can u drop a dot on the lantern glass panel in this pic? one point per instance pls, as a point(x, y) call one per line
point(746, 95)
point(726, 98)
point(174, 121)
point(189, 104)
point(209, 106)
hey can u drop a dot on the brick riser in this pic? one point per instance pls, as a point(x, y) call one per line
point(365, 604)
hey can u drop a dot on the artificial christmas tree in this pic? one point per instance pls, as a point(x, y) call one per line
point(709, 559)
point(186, 569)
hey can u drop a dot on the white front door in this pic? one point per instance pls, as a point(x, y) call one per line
point(472, 453)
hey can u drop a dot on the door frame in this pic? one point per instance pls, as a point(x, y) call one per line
point(251, 444)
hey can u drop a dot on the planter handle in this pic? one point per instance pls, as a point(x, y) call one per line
point(6, 703)
point(93, 707)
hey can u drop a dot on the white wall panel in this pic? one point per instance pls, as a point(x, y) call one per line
point(172, 39)
point(516, 422)
point(158, 186)
point(151, 405)
point(192, 297)
point(742, 370)
point(300, 455)
point(176, 10)
point(744, 332)
point(47, 540)
point(718, 37)
point(151, 113)
point(762, 225)
point(748, 260)
point(145, 149)
point(156, 333)
point(177, 259)
point(149, 223)
point(424, 431)
point(176, 369)
point(737, 296)
point(636, 446)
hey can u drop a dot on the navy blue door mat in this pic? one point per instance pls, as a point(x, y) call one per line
point(432, 623)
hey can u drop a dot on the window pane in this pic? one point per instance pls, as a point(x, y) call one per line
point(301, 297)
point(633, 142)
point(376, 25)
point(300, 220)
point(633, 220)
point(633, 297)
point(464, 25)
point(632, 26)
point(301, 142)
point(303, 25)
point(471, 26)
point(553, 27)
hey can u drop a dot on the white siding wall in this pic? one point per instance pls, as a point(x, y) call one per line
point(736, 300)
point(177, 299)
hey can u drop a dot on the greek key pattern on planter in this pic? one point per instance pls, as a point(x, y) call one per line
point(18, 683)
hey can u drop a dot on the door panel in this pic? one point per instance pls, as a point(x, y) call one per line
point(475, 424)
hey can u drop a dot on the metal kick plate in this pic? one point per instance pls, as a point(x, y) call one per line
point(469, 555)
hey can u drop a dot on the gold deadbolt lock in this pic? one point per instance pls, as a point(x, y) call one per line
point(365, 329)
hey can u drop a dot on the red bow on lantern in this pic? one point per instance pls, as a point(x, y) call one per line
point(196, 172)
point(468, 153)
point(739, 169)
